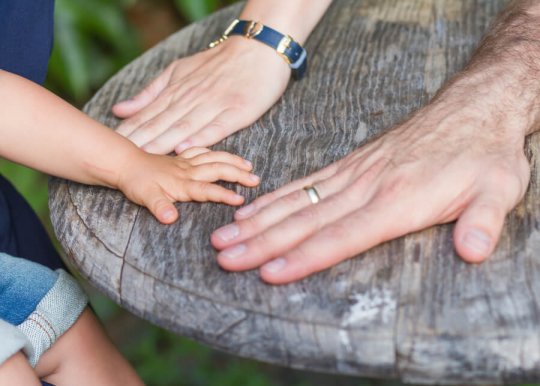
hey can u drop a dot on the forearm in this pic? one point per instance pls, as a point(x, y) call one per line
point(43, 132)
point(296, 18)
point(503, 76)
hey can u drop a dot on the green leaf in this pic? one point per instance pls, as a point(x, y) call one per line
point(92, 41)
point(196, 9)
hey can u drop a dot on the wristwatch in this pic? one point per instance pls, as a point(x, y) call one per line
point(292, 52)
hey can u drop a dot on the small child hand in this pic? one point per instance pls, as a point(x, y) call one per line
point(156, 181)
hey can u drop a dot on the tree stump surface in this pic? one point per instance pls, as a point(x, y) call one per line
point(408, 309)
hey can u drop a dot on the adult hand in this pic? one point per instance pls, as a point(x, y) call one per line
point(201, 99)
point(454, 159)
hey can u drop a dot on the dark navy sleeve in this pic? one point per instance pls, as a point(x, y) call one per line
point(26, 33)
point(26, 36)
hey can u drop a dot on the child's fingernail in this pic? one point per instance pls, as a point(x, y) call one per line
point(168, 215)
point(246, 210)
point(183, 146)
point(254, 178)
point(248, 164)
point(228, 232)
point(275, 265)
point(234, 252)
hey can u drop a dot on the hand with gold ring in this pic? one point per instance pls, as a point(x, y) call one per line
point(461, 158)
point(452, 160)
point(313, 194)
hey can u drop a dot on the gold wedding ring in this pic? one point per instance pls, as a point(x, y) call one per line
point(312, 194)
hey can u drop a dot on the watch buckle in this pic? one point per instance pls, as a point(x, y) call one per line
point(283, 45)
point(252, 29)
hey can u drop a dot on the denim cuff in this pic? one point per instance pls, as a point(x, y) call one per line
point(12, 340)
point(53, 316)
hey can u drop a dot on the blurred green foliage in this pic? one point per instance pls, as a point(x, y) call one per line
point(193, 10)
point(93, 40)
point(196, 9)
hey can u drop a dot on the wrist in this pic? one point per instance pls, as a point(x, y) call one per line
point(285, 46)
point(501, 97)
point(506, 66)
point(295, 18)
point(247, 52)
point(112, 171)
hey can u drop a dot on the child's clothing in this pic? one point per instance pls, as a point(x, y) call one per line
point(37, 304)
point(13, 341)
point(21, 232)
point(26, 32)
point(42, 304)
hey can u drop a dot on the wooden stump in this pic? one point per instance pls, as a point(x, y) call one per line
point(408, 309)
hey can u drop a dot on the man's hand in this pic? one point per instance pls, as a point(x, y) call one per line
point(204, 98)
point(435, 168)
point(459, 158)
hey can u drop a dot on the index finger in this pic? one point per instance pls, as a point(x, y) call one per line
point(336, 242)
point(267, 199)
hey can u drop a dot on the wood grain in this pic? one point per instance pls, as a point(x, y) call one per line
point(408, 309)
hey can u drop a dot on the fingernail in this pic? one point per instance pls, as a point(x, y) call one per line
point(168, 215)
point(477, 241)
point(183, 146)
point(248, 164)
point(246, 210)
point(233, 252)
point(275, 265)
point(147, 148)
point(254, 178)
point(228, 232)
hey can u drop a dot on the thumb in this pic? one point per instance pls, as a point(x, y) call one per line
point(129, 107)
point(479, 227)
point(162, 208)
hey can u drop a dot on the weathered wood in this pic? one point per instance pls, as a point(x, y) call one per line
point(408, 309)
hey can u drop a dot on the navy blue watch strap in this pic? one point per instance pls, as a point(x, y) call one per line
point(292, 52)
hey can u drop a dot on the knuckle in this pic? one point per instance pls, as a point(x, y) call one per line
point(197, 172)
point(261, 241)
point(309, 263)
point(252, 224)
point(492, 207)
point(215, 129)
point(294, 197)
point(337, 231)
point(511, 183)
point(395, 186)
point(308, 215)
point(182, 125)
point(200, 189)
point(134, 121)
point(151, 128)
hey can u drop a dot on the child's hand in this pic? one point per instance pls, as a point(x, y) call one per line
point(158, 181)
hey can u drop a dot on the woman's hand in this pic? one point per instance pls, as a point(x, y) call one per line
point(450, 161)
point(157, 181)
point(201, 99)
